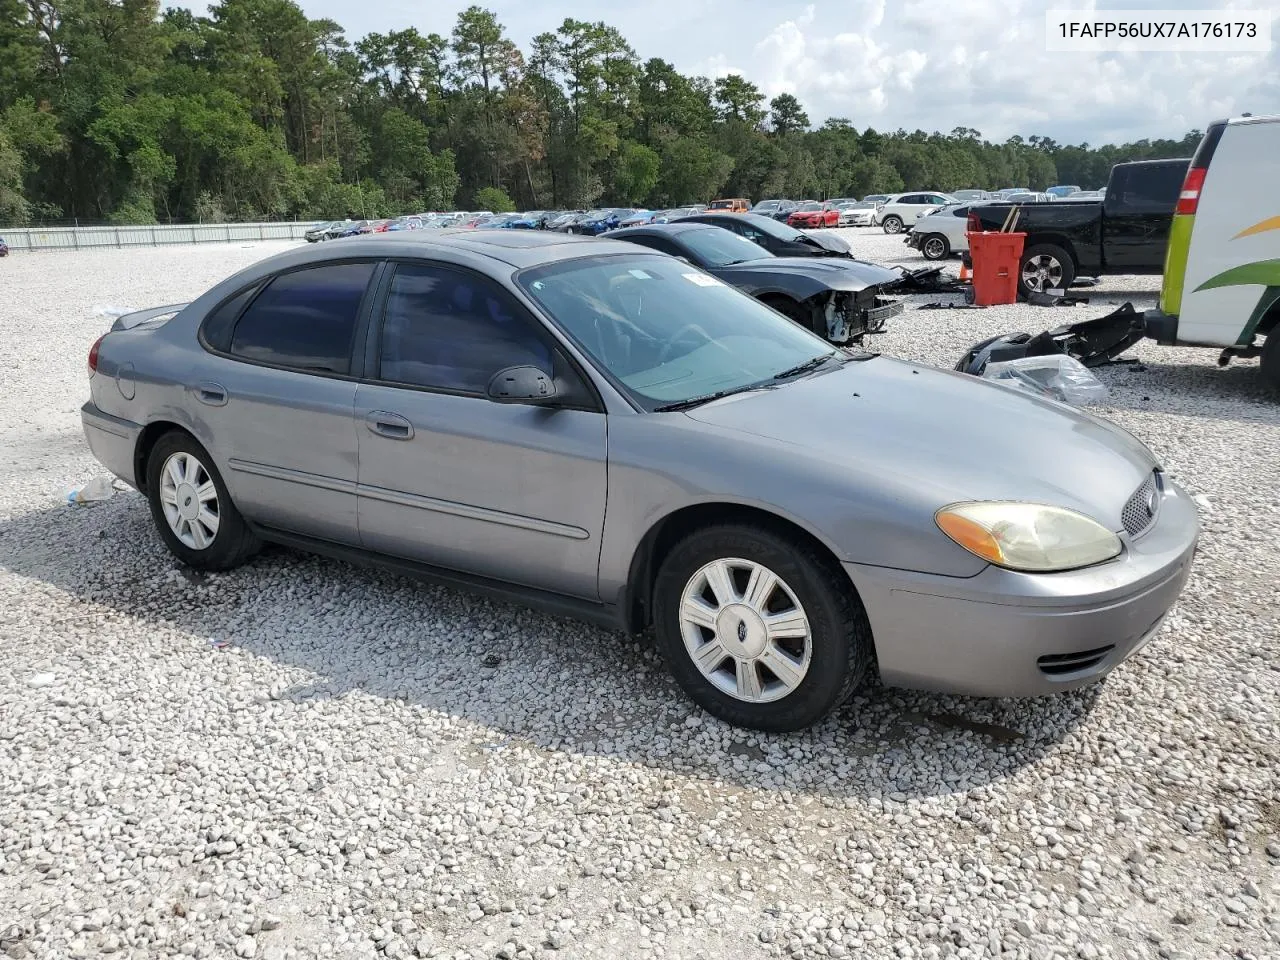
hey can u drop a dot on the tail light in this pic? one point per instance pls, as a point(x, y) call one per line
point(972, 224)
point(93, 355)
point(1189, 198)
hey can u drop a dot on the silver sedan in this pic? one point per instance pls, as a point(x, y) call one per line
point(610, 433)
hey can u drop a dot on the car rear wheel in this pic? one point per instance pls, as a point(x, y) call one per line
point(935, 247)
point(1045, 267)
point(760, 629)
point(192, 508)
point(892, 224)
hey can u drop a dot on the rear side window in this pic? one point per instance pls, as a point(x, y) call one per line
point(1150, 188)
point(219, 324)
point(661, 244)
point(305, 319)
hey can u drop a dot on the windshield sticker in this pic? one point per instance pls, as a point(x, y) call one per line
point(701, 279)
point(640, 274)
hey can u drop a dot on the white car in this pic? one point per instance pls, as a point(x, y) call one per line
point(858, 214)
point(941, 234)
point(904, 209)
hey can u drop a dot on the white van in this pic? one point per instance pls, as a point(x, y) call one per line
point(1222, 267)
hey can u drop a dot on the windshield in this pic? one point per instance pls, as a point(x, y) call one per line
point(766, 205)
point(665, 331)
point(808, 207)
point(722, 248)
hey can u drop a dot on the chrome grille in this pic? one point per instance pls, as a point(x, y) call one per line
point(1141, 509)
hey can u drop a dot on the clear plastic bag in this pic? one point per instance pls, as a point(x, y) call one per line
point(95, 491)
point(1057, 376)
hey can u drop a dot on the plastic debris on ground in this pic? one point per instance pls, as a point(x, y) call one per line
point(926, 280)
point(95, 491)
point(1058, 376)
point(1093, 342)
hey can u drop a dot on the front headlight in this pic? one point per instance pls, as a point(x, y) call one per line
point(1030, 537)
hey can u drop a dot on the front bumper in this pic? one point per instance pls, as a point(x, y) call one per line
point(112, 441)
point(1007, 634)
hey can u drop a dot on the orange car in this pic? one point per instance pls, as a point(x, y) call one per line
point(729, 206)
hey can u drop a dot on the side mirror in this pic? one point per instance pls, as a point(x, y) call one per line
point(522, 384)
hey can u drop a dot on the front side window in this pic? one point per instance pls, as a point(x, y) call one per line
point(665, 331)
point(449, 330)
point(305, 319)
point(722, 248)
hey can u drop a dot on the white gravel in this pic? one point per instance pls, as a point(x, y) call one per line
point(301, 759)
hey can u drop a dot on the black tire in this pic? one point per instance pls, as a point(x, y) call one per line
point(935, 246)
point(839, 639)
point(891, 224)
point(1270, 363)
point(1057, 268)
point(232, 543)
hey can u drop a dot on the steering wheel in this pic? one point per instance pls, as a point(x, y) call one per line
point(675, 338)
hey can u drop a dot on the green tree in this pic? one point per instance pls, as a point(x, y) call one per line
point(495, 199)
point(787, 115)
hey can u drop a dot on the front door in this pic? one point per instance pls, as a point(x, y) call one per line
point(512, 492)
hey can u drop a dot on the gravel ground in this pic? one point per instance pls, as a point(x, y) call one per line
point(302, 759)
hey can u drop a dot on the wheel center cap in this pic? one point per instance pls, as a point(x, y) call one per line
point(742, 631)
point(188, 501)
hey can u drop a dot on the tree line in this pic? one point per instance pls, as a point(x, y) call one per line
point(114, 110)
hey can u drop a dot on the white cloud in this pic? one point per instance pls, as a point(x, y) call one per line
point(976, 63)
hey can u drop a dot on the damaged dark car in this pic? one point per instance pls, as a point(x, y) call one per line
point(837, 298)
point(778, 238)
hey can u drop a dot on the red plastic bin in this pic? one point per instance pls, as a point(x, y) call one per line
point(995, 258)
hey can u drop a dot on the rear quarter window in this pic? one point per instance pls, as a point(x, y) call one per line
point(305, 319)
point(220, 322)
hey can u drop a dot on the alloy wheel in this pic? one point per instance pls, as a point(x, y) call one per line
point(1042, 273)
point(934, 248)
point(189, 499)
point(745, 630)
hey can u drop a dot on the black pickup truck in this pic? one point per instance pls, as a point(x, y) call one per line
point(1126, 232)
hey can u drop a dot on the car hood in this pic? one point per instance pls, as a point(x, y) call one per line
point(928, 437)
point(838, 273)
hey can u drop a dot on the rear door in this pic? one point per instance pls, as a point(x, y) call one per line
point(447, 477)
point(274, 397)
point(1137, 214)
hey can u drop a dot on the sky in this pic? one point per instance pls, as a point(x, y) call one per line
point(915, 64)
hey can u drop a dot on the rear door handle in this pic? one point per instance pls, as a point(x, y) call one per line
point(214, 394)
point(389, 425)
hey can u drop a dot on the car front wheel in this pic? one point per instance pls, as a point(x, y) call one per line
point(192, 508)
point(892, 224)
point(760, 629)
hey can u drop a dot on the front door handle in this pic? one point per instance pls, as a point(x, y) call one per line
point(214, 394)
point(389, 425)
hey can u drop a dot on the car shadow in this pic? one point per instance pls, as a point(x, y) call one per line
point(535, 681)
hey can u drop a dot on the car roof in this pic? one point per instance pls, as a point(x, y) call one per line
point(515, 248)
point(680, 226)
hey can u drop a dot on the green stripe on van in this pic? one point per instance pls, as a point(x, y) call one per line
point(1175, 264)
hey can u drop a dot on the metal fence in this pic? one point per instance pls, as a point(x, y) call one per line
point(86, 238)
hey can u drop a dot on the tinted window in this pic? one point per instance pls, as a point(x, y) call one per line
point(219, 324)
point(453, 331)
point(661, 244)
point(305, 319)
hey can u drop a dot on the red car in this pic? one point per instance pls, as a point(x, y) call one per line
point(814, 214)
